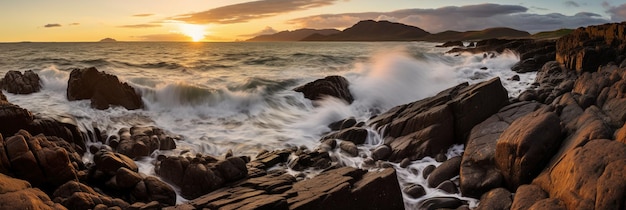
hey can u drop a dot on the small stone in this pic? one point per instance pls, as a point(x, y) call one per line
point(405, 163)
point(350, 148)
point(448, 186)
point(429, 169)
point(414, 190)
point(441, 157)
point(381, 152)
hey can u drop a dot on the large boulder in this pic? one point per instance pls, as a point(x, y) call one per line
point(334, 86)
point(141, 141)
point(75, 195)
point(430, 126)
point(18, 194)
point(446, 171)
point(586, 49)
point(589, 176)
point(37, 160)
point(102, 89)
point(526, 145)
point(17, 83)
point(496, 199)
point(13, 118)
point(526, 196)
point(479, 173)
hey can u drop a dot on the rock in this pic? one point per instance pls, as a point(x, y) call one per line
point(588, 176)
point(341, 188)
point(142, 141)
point(515, 78)
point(334, 86)
point(448, 186)
point(109, 162)
point(446, 171)
point(75, 195)
point(232, 169)
point(549, 203)
point(414, 190)
point(18, 194)
point(478, 173)
point(13, 118)
point(35, 159)
point(103, 89)
point(552, 81)
point(586, 49)
point(441, 203)
point(496, 199)
point(620, 134)
point(17, 83)
point(381, 152)
point(126, 178)
point(349, 148)
point(428, 170)
point(526, 145)
point(342, 124)
point(62, 126)
point(405, 163)
point(441, 157)
point(430, 126)
point(353, 134)
point(526, 196)
point(159, 191)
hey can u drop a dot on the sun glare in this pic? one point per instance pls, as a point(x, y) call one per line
point(195, 32)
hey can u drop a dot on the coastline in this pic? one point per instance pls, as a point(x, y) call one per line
point(575, 104)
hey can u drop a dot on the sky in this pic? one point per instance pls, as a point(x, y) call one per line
point(231, 20)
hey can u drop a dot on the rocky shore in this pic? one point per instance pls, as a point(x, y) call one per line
point(560, 145)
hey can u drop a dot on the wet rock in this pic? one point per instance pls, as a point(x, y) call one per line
point(428, 170)
point(335, 86)
point(452, 44)
point(526, 145)
point(441, 157)
point(102, 89)
point(526, 196)
point(588, 176)
point(349, 148)
point(446, 171)
point(342, 124)
point(75, 195)
point(62, 126)
point(448, 186)
point(18, 194)
point(353, 134)
point(13, 118)
point(109, 162)
point(496, 199)
point(405, 163)
point(232, 169)
point(414, 190)
point(552, 81)
point(159, 191)
point(515, 78)
point(478, 173)
point(127, 179)
point(381, 152)
point(430, 126)
point(441, 203)
point(17, 83)
point(142, 141)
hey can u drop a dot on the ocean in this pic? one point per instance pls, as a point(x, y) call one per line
point(238, 96)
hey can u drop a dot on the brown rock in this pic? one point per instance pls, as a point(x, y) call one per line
point(414, 191)
point(232, 169)
point(349, 148)
point(525, 146)
point(127, 179)
point(587, 48)
point(18, 194)
point(159, 191)
point(335, 86)
point(587, 176)
point(17, 83)
point(109, 162)
point(496, 199)
point(548, 203)
point(446, 171)
point(526, 196)
point(353, 134)
point(478, 173)
point(13, 118)
point(103, 90)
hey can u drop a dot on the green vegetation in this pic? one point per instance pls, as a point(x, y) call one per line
point(552, 34)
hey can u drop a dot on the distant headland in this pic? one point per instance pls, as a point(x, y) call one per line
point(108, 40)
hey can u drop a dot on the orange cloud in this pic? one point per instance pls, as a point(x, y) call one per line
point(52, 25)
point(143, 15)
point(244, 12)
point(141, 26)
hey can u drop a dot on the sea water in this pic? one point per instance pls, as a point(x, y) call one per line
point(238, 96)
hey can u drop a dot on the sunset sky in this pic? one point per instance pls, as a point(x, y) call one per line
point(230, 20)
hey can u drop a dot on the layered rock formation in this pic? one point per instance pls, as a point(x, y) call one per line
point(586, 49)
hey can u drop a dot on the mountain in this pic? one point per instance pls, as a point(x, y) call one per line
point(490, 33)
point(369, 30)
point(552, 34)
point(296, 35)
point(108, 40)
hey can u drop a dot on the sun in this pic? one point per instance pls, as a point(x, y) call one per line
point(195, 32)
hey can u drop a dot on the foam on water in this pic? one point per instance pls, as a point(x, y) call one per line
point(248, 105)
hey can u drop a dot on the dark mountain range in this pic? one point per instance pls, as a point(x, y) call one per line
point(369, 30)
point(296, 35)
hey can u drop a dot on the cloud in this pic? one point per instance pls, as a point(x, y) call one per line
point(618, 13)
point(141, 26)
point(463, 18)
point(74, 24)
point(172, 37)
point(265, 31)
point(52, 25)
point(571, 4)
point(244, 12)
point(143, 15)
